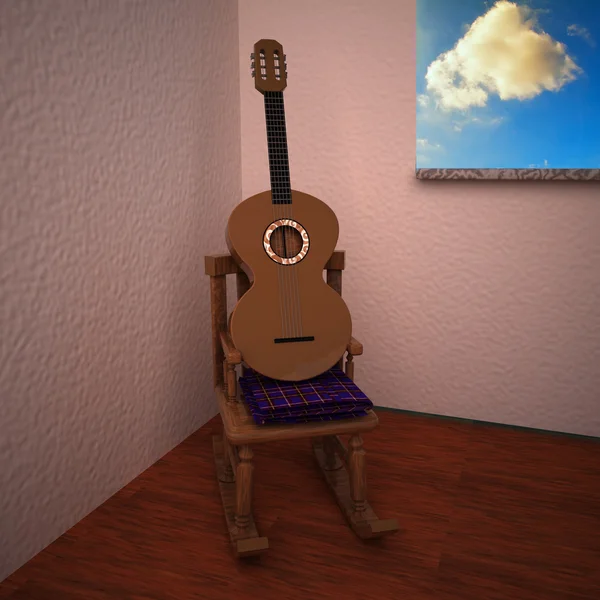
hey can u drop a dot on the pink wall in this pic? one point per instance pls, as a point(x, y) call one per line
point(473, 299)
point(119, 129)
point(119, 164)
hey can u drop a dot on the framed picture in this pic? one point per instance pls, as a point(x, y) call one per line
point(508, 90)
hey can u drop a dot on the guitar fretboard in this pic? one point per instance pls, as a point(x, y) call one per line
point(279, 166)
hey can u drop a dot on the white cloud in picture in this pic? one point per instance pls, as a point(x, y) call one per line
point(502, 53)
point(582, 32)
point(508, 84)
point(425, 148)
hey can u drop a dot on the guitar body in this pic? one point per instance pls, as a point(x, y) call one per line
point(290, 324)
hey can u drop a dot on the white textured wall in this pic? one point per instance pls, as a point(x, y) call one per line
point(119, 164)
point(473, 299)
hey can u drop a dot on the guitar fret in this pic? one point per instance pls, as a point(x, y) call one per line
point(277, 148)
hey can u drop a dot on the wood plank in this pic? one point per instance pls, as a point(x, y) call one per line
point(231, 353)
point(337, 261)
point(220, 264)
point(218, 303)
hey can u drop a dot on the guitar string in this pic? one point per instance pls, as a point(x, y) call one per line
point(279, 278)
point(295, 280)
point(280, 213)
point(286, 209)
point(284, 316)
point(276, 214)
point(262, 66)
point(277, 153)
point(291, 268)
point(293, 284)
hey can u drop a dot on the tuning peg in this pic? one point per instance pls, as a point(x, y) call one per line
point(253, 73)
point(252, 55)
point(284, 57)
point(252, 65)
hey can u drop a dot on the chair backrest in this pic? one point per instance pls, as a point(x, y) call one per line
point(218, 266)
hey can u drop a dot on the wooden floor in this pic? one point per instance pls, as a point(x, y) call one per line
point(485, 512)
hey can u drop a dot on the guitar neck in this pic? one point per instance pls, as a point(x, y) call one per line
point(279, 167)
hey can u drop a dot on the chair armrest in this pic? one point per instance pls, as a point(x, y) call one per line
point(354, 347)
point(232, 355)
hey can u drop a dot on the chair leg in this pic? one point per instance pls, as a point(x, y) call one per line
point(226, 475)
point(243, 488)
point(236, 497)
point(358, 476)
point(332, 460)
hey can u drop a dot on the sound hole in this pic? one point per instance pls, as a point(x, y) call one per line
point(286, 241)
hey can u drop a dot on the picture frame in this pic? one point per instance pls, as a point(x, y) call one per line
point(508, 90)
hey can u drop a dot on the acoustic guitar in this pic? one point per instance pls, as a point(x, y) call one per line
point(290, 324)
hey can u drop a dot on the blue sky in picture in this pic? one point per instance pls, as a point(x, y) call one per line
point(508, 84)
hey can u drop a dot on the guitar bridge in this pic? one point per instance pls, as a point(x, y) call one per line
point(287, 340)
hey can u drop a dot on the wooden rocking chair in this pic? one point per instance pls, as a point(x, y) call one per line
point(343, 468)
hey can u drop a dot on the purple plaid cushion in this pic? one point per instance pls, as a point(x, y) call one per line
point(329, 396)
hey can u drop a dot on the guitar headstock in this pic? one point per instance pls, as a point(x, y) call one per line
point(269, 68)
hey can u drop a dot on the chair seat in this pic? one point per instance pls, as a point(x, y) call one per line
point(330, 396)
point(240, 427)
